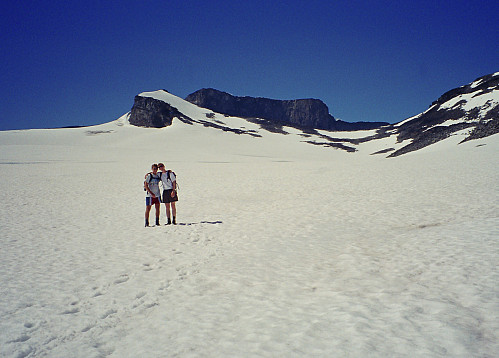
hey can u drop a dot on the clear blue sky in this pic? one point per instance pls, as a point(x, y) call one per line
point(82, 62)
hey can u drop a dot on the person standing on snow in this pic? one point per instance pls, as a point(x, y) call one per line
point(153, 193)
point(169, 181)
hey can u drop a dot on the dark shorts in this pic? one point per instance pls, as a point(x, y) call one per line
point(152, 201)
point(167, 196)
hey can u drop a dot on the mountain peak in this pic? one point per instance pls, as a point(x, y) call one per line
point(466, 113)
point(308, 113)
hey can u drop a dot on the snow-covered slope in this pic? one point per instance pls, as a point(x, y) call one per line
point(285, 249)
point(172, 107)
point(468, 112)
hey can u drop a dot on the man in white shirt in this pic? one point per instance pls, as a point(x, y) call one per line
point(169, 193)
point(153, 194)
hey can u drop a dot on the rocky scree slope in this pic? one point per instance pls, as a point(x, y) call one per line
point(473, 108)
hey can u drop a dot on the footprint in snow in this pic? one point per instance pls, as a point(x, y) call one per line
point(151, 305)
point(140, 295)
point(147, 267)
point(122, 279)
point(21, 339)
point(108, 313)
point(97, 294)
point(164, 286)
point(87, 328)
point(71, 311)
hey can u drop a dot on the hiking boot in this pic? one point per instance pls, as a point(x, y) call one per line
point(169, 222)
point(157, 221)
point(147, 223)
point(174, 221)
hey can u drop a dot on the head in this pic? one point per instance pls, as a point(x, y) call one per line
point(161, 167)
point(154, 168)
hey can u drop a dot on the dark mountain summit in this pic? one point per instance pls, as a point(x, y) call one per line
point(150, 112)
point(301, 113)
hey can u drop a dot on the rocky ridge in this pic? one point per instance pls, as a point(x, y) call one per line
point(470, 112)
point(299, 113)
point(472, 108)
point(150, 112)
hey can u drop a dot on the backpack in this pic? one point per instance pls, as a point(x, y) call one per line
point(150, 173)
point(168, 178)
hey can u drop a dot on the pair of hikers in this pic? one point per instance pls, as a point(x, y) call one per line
point(168, 181)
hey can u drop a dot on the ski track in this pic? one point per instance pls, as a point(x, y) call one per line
point(284, 259)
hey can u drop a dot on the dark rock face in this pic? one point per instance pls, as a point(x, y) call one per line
point(150, 112)
point(301, 113)
point(311, 113)
point(153, 113)
point(429, 128)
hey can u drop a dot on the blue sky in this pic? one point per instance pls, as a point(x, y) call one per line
point(82, 62)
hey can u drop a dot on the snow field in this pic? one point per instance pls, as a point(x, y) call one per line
point(284, 249)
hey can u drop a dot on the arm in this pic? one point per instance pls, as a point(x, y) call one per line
point(173, 180)
point(146, 183)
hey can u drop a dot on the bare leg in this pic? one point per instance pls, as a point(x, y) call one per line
point(157, 205)
point(148, 210)
point(174, 209)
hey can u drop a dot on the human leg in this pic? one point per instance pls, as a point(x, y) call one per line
point(168, 212)
point(169, 206)
point(148, 210)
point(174, 209)
point(157, 206)
point(174, 212)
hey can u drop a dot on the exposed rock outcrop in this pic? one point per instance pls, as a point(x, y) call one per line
point(474, 106)
point(150, 112)
point(301, 113)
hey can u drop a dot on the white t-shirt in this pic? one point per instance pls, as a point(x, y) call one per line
point(168, 183)
point(153, 183)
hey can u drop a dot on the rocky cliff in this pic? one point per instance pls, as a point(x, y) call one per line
point(150, 112)
point(302, 113)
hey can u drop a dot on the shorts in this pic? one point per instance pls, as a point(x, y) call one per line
point(152, 201)
point(167, 196)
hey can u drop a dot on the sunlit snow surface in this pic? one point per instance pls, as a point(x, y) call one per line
point(283, 249)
